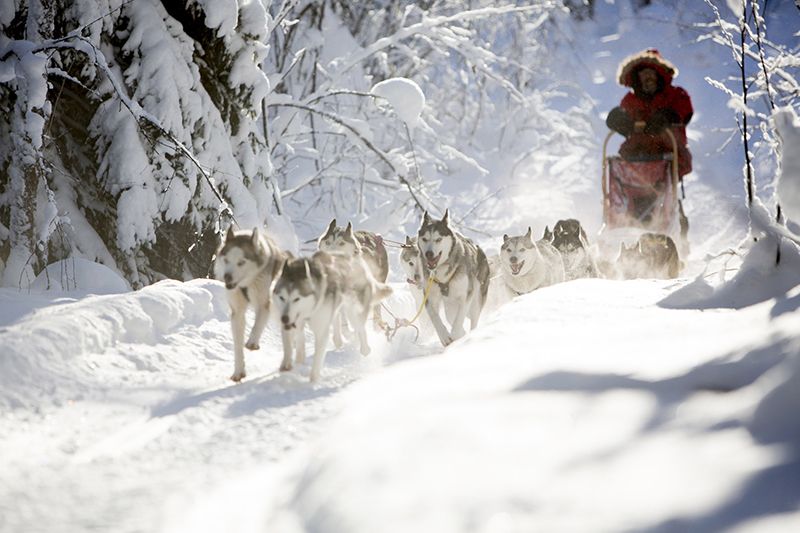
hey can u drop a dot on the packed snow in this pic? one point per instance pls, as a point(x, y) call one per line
point(592, 405)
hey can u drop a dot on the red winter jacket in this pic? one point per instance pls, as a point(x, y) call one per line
point(640, 107)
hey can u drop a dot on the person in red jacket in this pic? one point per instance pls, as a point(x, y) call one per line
point(652, 106)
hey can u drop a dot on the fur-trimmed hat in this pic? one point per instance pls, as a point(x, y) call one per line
point(646, 58)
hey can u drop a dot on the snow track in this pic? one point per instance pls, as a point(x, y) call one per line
point(117, 411)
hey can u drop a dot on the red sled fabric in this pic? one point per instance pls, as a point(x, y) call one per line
point(640, 194)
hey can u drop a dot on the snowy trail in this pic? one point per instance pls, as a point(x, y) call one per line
point(128, 428)
point(141, 431)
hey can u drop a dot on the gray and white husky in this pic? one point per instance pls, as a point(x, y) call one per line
point(460, 275)
point(314, 291)
point(369, 246)
point(411, 263)
point(569, 238)
point(248, 263)
point(526, 265)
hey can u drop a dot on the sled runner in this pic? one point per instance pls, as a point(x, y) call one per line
point(640, 196)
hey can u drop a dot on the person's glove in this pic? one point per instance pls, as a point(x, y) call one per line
point(619, 121)
point(660, 121)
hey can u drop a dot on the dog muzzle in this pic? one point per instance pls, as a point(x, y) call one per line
point(516, 267)
point(432, 263)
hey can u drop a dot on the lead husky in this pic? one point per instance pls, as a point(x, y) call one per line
point(313, 291)
point(365, 244)
point(460, 275)
point(526, 265)
point(248, 263)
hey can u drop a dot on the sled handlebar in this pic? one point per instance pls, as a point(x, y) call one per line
point(675, 177)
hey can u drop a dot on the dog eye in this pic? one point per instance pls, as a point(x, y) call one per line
point(341, 244)
point(411, 263)
point(295, 300)
point(439, 239)
point(281, 298)
point(240, 263)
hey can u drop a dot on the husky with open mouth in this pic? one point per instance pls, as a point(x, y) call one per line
point(460, 275)
point(526, 265)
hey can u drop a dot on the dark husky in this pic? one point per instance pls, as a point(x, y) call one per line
point(654, 255)
point(569, 238)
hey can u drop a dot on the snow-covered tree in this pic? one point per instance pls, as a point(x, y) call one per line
point(768, 78)
point(133, 131)
point(767, 81)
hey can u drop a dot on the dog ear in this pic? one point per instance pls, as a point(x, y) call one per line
point(409, 243)
point(229, 234)
point(349, 230)
point(426, 218)
point(446, 217)
point(308, 268)
point(505, 238)
point(254, 236)
point(547, 235)
point(529, 236)
point(331, 228)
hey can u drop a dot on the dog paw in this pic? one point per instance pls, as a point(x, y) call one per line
point(286, 368)
point(252, 345)
point(365, 350)
point(238, 376)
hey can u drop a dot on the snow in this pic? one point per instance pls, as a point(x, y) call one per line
point(592, 405)
point(787, 126)
point(69, 274)
point(221, 14)
point(522, 425)
point(404, 96)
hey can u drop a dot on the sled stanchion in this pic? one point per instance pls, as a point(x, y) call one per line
point(675, 176)
point(605, 174)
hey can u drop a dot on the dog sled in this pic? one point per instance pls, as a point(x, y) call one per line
point(641, 195)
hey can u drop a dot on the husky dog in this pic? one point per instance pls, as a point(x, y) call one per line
point(527, 265)
point(653, 255)
point(313, 291)
point(358, 243)
point(569, 238)
point(411, 262)
point(248, 263)
point(460, 275)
